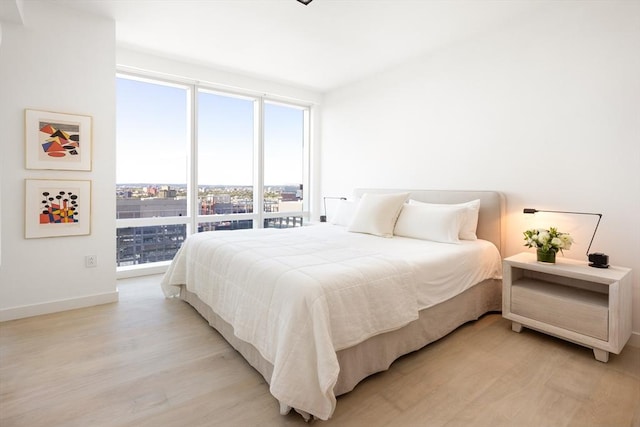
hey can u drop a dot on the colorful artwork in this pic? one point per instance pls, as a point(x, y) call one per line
point(60, 208)
point(57, 141)
point(57, 208)
point(60, 139)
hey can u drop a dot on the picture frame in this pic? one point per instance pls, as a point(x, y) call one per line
point(56, 208)
point(58, 141)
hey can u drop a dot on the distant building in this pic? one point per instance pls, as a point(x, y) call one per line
point(141, 245)
point(291, 193)
point(167, 193)
point(149, 208)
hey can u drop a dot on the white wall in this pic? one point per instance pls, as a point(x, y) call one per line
point(545, 110)
point(137, 61)
point(62, 61)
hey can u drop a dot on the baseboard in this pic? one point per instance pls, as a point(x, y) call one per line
point(57, 306)
point(634, 341)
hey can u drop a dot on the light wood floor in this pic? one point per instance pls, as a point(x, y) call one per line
point(148, 361)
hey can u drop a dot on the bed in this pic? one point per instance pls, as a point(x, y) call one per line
point(316, 309)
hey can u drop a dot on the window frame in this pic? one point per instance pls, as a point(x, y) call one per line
point(193, 218)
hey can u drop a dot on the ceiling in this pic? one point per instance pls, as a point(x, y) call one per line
point(324, 45)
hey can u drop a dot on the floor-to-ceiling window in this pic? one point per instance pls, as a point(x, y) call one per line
point(152, 151)
point(192, 158)
point(225, 159)
point(284, 160)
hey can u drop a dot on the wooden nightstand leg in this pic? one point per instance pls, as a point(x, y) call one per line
point(517, 327)
point(601, 355)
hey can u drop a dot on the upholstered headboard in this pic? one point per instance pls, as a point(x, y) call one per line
point(491, 207)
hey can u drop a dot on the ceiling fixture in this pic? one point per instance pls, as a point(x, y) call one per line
point(305, 2)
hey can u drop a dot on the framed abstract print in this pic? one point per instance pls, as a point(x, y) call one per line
point(55, 208)
point(57, 141)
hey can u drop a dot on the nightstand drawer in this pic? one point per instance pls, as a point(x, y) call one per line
point(578, 310)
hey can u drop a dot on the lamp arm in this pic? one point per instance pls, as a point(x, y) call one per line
point(566, 212)
point(594, 232)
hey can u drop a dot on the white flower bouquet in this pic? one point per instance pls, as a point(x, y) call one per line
point(550, 240)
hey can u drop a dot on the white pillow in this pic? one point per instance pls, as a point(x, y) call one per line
point(344, 213)
point(427, 222)
point(377, 213)
point(470, 220)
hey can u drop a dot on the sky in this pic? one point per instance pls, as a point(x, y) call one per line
point(152, 137)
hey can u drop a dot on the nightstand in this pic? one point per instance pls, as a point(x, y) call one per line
point(570, 300)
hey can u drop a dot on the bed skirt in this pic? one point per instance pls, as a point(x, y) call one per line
point(377, 353)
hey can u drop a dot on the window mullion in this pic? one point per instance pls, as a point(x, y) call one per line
point(258, 163)
point(306, 169)
point(192, 165)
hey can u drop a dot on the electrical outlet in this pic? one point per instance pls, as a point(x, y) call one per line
point(91, 261)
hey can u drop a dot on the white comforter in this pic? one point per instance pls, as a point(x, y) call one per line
point(299, 295)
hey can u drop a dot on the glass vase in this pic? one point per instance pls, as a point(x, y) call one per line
point(546, 256)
